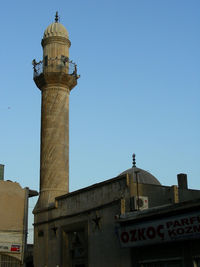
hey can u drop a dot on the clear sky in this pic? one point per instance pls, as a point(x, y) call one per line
point(139, 90)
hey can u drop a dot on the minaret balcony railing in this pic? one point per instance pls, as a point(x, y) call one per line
point(63, 65)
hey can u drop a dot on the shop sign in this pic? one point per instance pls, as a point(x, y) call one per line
point(185, 226)
point(7, 247)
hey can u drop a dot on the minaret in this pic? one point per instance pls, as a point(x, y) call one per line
point(55, 76)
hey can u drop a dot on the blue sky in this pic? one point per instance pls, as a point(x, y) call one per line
point(139, 63)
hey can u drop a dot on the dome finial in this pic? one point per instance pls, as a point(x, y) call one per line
point(134, 162)
point(56, 17)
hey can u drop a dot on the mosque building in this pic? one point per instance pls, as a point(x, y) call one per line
point(129, 220)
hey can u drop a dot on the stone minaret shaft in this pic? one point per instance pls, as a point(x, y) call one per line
point(55, 80)
point(54, 161)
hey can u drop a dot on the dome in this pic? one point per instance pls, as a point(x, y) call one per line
point(143, 176)
point(56, 29)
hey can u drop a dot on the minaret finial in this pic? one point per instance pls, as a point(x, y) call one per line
point(134, 162)
point(56, 17)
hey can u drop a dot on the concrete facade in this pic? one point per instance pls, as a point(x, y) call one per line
point(13, 223)
point(12, 200)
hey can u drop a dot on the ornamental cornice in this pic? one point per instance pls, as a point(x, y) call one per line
point(55, 79)
point(55, 39)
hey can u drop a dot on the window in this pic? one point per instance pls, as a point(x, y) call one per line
point(46, 61)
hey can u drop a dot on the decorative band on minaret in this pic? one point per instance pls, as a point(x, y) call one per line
point(55, 76)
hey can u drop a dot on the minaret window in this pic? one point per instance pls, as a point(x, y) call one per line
point(46, 61)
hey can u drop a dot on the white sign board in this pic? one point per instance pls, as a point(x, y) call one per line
point(11, 242)
point(10, 248)
point(185, 226)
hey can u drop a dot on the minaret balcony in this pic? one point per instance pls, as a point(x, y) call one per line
point(54, 71)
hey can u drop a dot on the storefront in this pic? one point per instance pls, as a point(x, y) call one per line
point(166, 236)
